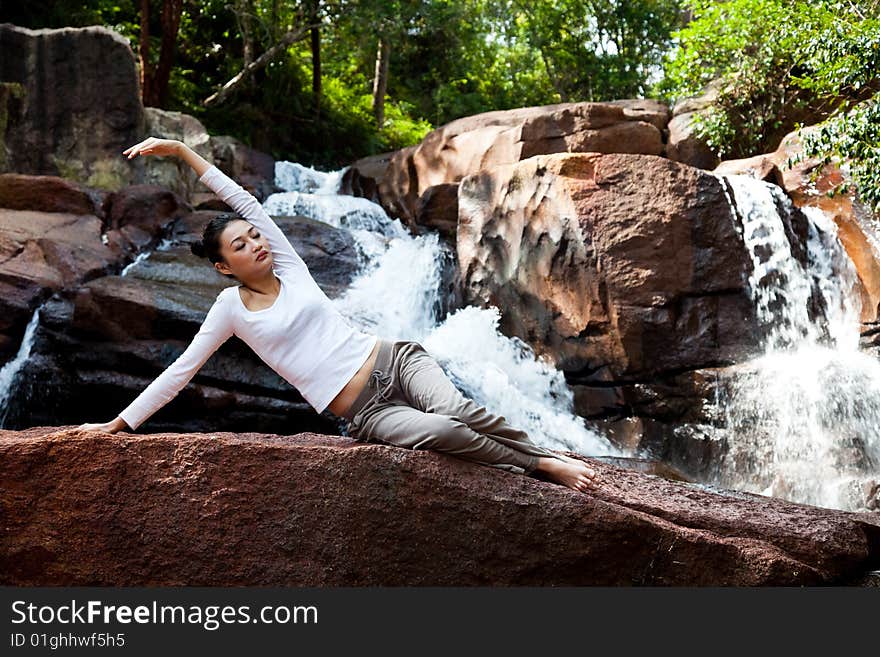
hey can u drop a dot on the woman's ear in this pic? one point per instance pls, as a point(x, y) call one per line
point(223, 268)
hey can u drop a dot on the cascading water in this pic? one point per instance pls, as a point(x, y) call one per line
point(9, 371)
point(144, 255)
point(396, 296)
point(801, 421)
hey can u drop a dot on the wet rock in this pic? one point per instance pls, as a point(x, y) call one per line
point(55, 234)
point(438, 209)
point(142, 208)
point(85, 508)
point(808, 183)
point(365, 176)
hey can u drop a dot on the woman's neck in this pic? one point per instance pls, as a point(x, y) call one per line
point(268, 285)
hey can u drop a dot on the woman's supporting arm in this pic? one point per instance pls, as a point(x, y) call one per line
point(215, 330)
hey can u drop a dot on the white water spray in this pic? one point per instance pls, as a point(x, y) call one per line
point(9, 371)
point(801, 421)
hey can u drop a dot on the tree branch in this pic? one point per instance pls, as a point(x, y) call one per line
point(229, 88)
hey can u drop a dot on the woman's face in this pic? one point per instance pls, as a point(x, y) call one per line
point(240, 245)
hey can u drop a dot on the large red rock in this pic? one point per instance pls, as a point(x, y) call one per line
point(220, 509)
point(618, 267)
point(491, 139)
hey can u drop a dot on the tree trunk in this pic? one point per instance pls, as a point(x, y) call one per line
point(245, 20)
point(171, 11)
point(245, 74)
point(146, 73)
point(380, 81)
point(316, 57)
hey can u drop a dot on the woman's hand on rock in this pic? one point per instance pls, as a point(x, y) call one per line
point(109, 427)
point(154, 146)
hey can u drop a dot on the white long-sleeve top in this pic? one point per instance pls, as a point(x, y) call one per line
point(301, 335)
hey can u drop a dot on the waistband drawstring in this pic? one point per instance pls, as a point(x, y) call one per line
point(379, 378)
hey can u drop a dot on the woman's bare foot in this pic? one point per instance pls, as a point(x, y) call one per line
point(568, 472)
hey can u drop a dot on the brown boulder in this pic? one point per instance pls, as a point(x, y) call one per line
point(46, 194)
point(142, 207)
point(484, 141)
point(252, 169)
point(86, 508)
point(619, 267)
point(438, 209)
point(364, 177)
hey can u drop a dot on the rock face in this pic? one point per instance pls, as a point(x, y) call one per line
point(627, 272)
point(493, 139)
point(620, 267)
point(70, 104)
point(684, 145)
point(85, 508)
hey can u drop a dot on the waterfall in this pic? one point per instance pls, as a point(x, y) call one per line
point(801, 420)
point(396, 294)
point(144, 255)
point(9, 371)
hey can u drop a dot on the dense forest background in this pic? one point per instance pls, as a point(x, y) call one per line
point(324, 82)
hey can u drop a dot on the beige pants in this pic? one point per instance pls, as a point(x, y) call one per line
point(410, 402)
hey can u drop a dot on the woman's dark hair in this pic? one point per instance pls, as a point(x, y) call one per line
point(209, 246)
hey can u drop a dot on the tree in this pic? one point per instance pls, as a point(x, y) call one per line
point(599, 49)
point(154, 78)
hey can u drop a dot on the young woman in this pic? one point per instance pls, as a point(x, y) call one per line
point(392, 392)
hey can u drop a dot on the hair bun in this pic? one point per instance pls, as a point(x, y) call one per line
point(198, 248)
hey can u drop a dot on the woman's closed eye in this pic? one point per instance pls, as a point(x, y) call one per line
point(240, 246)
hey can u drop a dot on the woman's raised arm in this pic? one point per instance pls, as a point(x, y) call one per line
point(169, 147)
point(284, 256)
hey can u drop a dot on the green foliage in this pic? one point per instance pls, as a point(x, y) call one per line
point(778, 64)
point(449, 58)
point(854, 138)
point(597, 49)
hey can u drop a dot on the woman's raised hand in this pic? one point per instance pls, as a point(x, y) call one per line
point(154, 146)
